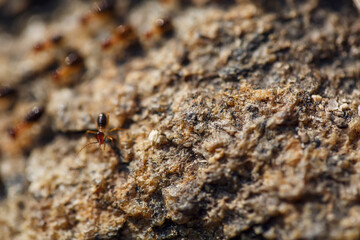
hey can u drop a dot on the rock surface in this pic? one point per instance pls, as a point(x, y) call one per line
point(239, 119)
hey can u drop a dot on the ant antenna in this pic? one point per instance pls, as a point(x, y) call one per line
point(77, 154)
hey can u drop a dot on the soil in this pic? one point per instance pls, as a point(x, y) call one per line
point(231, 119)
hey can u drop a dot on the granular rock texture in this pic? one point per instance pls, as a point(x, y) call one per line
point(238, 119)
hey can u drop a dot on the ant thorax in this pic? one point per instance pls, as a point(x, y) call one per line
point(100, 137)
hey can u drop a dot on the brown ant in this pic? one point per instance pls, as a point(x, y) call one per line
point(72, 68)
point(162, 27)
point(33, 116)
point(7, 91)
point(42, 46)
point(100, 136)
point(101, 9)
point(124, 35)
point(7, 97)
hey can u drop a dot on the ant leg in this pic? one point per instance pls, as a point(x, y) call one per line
point(93, 120)
point(85, 147)
point(89, 131)
point(111, 139)
point(115, 129)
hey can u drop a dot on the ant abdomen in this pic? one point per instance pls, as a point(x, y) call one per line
point(34, 115)
point(102, 120)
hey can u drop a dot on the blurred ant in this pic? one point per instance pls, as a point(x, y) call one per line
point(162, 27)
point(101, 9)
point(33, 116)
point(100, 136)
point(71, 70)
point(6, 91)
point(42, 46)
point(124, 35)
point(7, 97)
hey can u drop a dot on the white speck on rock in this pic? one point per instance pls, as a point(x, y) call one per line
point(156, 138)
point(333, 105)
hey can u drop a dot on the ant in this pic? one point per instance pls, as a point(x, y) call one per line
point(102, 123)
point(48, 44)
point(162, 27)
point(7, 97)
point(123, 35)
point(33, 116)
point(71, 70)
point(7, 91)
point(100, 9)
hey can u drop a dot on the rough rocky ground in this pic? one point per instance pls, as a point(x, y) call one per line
point(240, 120)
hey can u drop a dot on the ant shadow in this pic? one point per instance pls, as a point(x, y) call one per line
point(122, 166)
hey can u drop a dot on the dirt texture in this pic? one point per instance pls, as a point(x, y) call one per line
point(237, 119)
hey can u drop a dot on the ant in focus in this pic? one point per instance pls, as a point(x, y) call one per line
point(100, 136)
